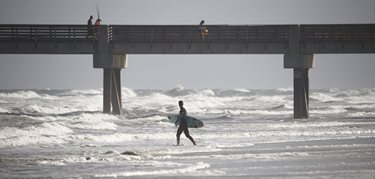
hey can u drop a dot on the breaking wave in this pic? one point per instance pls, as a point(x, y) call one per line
point(71, 110)
point(20, 94)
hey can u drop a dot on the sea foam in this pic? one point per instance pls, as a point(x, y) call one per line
point(43, 133)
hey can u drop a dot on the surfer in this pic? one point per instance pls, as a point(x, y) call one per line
point(183, 127)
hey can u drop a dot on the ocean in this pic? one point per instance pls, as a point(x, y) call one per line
point(247, 134)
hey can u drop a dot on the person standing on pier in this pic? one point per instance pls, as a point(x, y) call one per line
point(183, 126)
point(97, 26)
point(203, 30)
point(90, 29)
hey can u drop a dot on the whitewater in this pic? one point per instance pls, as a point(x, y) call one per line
point(247, 134)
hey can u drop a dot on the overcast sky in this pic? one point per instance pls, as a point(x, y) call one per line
point(190, 71)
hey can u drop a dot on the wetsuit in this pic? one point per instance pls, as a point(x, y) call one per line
point(183, 127)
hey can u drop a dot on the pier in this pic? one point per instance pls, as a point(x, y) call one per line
point(112, 43)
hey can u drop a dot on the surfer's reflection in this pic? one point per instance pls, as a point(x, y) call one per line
point(183, 126)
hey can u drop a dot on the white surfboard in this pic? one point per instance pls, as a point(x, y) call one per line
point(191, 121)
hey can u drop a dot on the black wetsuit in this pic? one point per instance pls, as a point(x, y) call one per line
point(183, 127)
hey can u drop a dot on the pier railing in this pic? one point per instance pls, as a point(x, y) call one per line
point(186, 33)
point(40, 33)
point(190, 33)
point(338, 33)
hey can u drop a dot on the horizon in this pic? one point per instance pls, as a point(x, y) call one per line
point(183, 88)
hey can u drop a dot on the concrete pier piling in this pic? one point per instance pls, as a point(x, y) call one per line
point(111, 64)
point(300, 63)
point(116, 91)
point(301, 93)
point(107, 93)
point(112, 90)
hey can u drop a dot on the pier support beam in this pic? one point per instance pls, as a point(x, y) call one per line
point(301, 65)
point(107, 93)
point(112, 90)
point(301, 93)
point(116, 91)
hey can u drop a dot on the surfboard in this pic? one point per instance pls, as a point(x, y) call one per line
point(191, 121)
